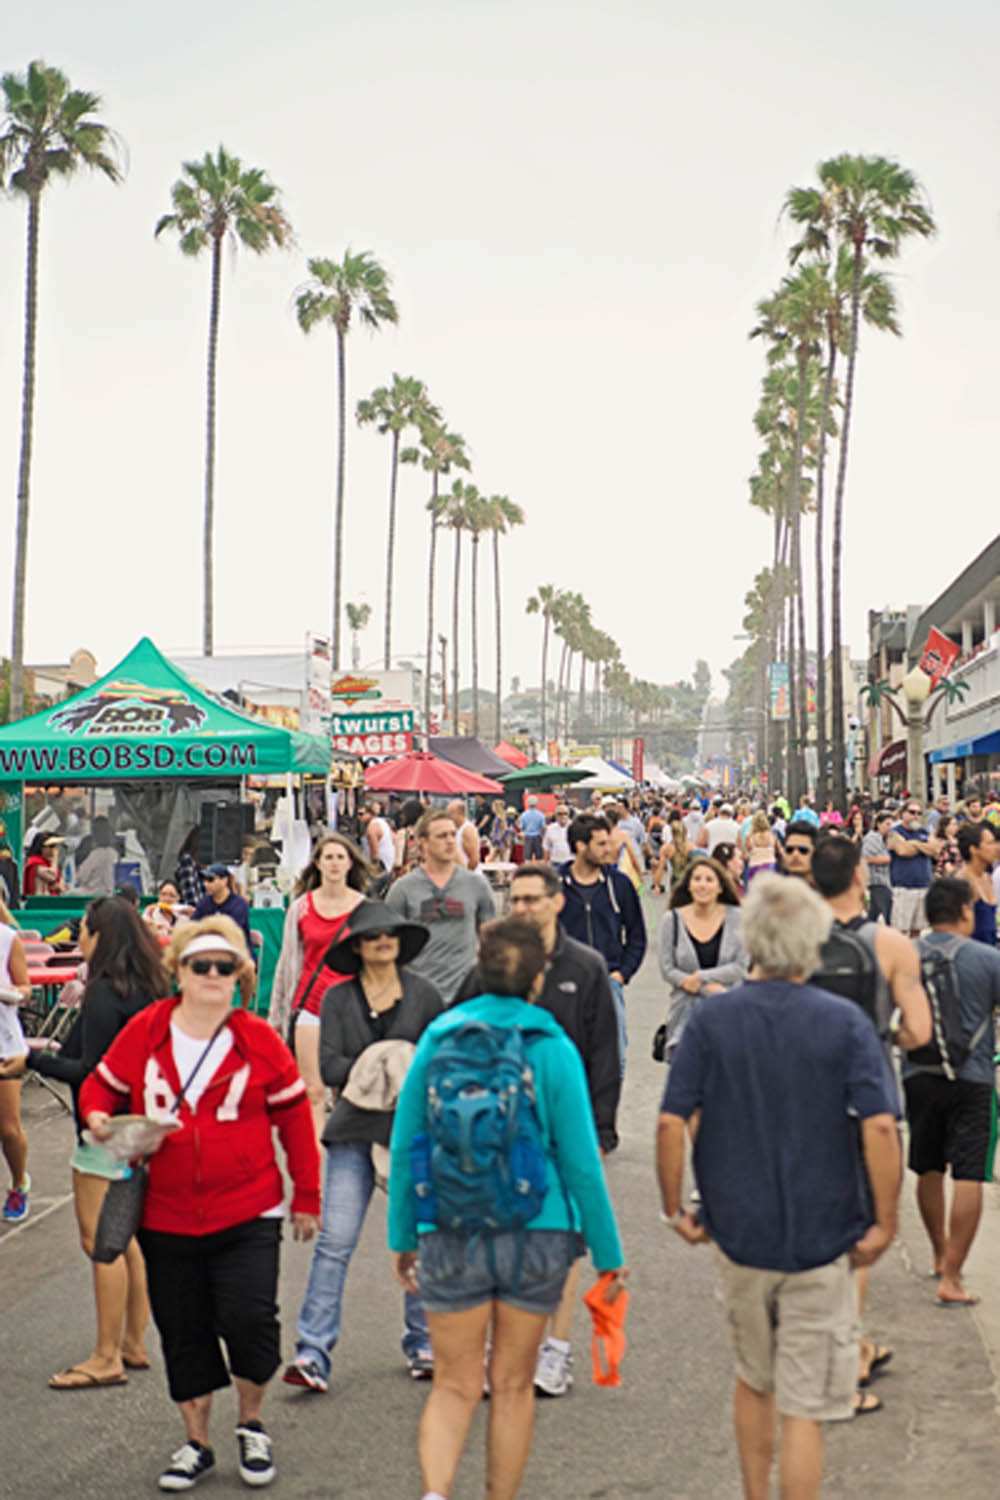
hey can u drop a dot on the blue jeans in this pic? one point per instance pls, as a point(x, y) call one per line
point(350, 1182)
point(618, 993)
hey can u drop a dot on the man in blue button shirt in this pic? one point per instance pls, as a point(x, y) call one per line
point(772, 1078)
point(532, 826)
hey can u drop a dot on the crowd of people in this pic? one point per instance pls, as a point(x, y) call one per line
point(826, 976)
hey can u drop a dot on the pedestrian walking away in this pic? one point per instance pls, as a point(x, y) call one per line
point(577, 992)
point(791, 1214)
point(368, 1028)
point(492, 1262)
point(211, 1219)
point(532, 826)
point(125, 974)
point(602, 909)
point(13, 1140)
point(952, 1110)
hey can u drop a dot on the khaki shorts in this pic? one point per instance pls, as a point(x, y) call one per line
point(796, 1334)
point(908, 914)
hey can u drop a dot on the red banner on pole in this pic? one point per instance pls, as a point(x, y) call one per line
point(638, 759)
point(939, 656)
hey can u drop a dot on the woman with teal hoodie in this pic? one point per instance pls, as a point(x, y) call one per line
point(505, 1283)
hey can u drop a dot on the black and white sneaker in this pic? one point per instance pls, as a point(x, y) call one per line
point(187, 1466)
point(256, 1457)
point(307, 1375)
point(421, 1365)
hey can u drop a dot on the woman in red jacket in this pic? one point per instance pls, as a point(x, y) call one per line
point(212, 1215)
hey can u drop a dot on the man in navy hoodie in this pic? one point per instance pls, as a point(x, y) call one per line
point(602, 909)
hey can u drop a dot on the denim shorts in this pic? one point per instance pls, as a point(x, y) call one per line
point(457, 1273)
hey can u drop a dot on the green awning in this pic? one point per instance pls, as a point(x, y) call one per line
point(145, 720)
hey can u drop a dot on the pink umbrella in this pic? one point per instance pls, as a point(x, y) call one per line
point(419, 771)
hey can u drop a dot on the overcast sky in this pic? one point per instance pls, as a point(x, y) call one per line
point(579, 206)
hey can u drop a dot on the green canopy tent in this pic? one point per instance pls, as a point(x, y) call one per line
point(145, 720)
point(540, 777)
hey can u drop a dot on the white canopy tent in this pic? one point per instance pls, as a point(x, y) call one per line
point(601, 777)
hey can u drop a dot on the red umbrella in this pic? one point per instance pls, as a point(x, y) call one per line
point(420, 771)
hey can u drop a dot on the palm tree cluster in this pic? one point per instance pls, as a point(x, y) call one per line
point(617, 701)
point(50, 130)
point(854, 219)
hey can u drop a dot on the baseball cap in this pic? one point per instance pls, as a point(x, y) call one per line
point(217, 870)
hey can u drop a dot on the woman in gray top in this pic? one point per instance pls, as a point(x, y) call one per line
point(701, 946)
point(369, 1026)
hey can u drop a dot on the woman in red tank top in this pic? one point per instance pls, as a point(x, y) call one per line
point(331, 886)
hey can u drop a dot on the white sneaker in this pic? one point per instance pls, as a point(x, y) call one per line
point(554, 1370)
point(256, 1455)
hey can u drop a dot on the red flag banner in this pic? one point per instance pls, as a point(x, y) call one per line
point(939, 656)
point(638, 759)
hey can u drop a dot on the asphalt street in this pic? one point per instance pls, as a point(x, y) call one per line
point(666, 1432)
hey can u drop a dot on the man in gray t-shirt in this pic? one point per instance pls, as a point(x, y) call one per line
point(877, 860)
point(452, 902)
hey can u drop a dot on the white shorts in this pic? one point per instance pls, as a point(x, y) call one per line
point(908, 913)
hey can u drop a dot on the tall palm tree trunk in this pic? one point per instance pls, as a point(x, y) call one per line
point(837, 549)
point(499, 642)
point(582, 706)
point(338, 516)
point(474, 565)
point(454, 630)
point(208, 545)
point(24, 461)
point(545, 668)
point(822, 747)
point(800, 611)
point(390, 550)
point(431, 565)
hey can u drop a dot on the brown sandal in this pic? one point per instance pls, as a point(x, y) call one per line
point(84, 1380)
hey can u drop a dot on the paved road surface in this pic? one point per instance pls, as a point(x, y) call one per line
point(666, 1433)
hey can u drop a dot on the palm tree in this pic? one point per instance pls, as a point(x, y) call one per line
point(463, 495)
point(871, 206)
point(393, 409)
point(218, 199)
point(504, 516)
point(358, 616)
point(544, 603)
point(335, 292)
point(477, 521)
point(48, 130)
point(441, 451)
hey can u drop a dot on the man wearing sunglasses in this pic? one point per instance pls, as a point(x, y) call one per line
point(911, 869)
point(797, 851)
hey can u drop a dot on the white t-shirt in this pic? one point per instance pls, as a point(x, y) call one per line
point(555, 843)
point(721, 831)
point(187, 1050)
point(385, 843)
point(463, 857)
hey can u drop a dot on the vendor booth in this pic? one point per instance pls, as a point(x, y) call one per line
point(146, 749)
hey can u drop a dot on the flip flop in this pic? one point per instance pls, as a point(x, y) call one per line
point(882, 1357)
point(949, 1302)
point(85, 1381)
point(867, 1404)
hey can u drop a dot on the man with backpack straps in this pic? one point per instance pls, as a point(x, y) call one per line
point(878, 968)
point(951, 1104)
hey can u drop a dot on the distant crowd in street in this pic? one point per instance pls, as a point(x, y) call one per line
point(461, 1043)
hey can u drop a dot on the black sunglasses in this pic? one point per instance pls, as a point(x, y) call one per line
point(224, 967)
point(798, 848)
point(375, 937)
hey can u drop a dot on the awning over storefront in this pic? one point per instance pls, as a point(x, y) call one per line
point(891, 758)
point(983, 744)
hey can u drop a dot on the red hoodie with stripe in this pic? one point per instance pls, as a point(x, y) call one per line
point(219, 1168)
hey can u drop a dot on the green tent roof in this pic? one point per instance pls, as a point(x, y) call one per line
point(146, 720)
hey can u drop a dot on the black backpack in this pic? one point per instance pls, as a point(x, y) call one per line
point(848, 967)
point(948, 1047)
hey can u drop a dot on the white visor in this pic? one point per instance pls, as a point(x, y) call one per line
point(210, 942)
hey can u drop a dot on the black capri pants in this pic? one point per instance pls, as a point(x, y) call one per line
point(208, 1288)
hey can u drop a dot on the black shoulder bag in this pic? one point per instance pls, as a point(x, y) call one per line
point(121, 1211)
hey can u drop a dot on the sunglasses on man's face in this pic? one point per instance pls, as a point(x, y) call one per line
point(224, 967)
point(798, 848)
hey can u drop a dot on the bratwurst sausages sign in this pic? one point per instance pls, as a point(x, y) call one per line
point(373, 736)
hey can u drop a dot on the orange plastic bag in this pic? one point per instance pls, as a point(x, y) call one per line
point(608, 1303)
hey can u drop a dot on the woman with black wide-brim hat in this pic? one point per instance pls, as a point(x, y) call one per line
point(369, 1026)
